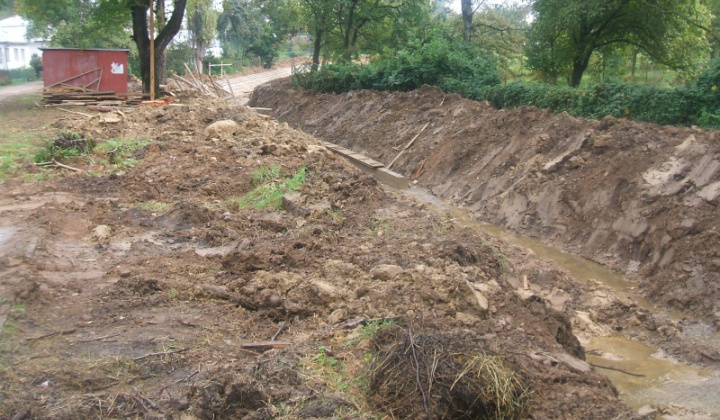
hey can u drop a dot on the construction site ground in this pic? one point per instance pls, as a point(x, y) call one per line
point(147, 284)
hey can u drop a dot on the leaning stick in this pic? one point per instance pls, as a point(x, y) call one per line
point(162, 353)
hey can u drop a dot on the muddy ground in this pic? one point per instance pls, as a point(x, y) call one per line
point(139, 288)
point(639, 198)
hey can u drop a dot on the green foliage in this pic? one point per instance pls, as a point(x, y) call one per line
point(441, 61)
point(566, 33)
point(36, 64)
point(56, 151)
point(699, 104)
point(256, 28)
point(177, 55)
point(77, 23)
point(120, 152)
point(266, 174)
point(271, 187)
point(5, 79)
point(21, 74)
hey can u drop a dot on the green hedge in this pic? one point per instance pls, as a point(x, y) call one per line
point(697, 105)
point(457, 68)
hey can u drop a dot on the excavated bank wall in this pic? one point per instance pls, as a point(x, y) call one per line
point(640, 198)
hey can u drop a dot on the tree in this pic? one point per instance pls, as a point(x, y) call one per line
point(202, 24)
point(343, 25)
point(319, 15)
point(141, 36)
point(468, 9)
point(498, 32)
point(103, 23)
point(258, 27)
point(566, 33)
point(77, 23)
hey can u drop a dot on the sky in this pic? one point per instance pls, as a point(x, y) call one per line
point(455, 4)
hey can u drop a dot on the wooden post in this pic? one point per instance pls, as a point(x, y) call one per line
point(152, 51)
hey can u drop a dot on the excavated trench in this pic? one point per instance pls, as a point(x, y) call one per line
point(638, 200)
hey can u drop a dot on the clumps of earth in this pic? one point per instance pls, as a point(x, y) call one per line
point(149, 288)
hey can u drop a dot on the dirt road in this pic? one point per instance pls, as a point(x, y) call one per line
point(243, 86)
point(22, 89)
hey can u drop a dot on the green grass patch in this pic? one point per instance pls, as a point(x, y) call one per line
point(270, 188)
point(12, 154)
point(155, 206)
point(120, 152)
point(23, 129)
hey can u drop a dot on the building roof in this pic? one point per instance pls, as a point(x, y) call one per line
point(83, 49)
point(13, 29)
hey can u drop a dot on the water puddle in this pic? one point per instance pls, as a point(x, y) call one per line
point(664, 382)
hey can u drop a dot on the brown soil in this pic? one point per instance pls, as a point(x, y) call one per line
point(130, 292)
point(639, 198)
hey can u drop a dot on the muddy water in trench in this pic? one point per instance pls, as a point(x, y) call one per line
point(665, 382)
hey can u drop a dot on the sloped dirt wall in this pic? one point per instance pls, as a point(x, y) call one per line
point(640, 198)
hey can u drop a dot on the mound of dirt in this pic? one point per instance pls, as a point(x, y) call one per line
point(191, 306)
point(639, 198)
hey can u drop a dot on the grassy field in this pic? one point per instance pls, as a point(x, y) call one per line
point(24, 128)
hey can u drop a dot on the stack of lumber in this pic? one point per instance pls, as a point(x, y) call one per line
point(79, 96)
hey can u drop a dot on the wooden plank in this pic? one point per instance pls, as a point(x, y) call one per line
point(408, 145)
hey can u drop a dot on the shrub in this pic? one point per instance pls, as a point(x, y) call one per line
point(4, 79)
point(440, 61)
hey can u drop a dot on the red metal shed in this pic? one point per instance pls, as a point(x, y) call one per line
point(97, 69)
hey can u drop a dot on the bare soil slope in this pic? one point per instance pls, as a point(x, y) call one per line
point(144, 291)
point(639, 198)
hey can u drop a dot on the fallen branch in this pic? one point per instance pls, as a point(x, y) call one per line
point(408, 145)
point(709, 356)
point(98, 338)
point(57, 164)
point(417, 372)
point(282, 326)
point(266, 345)
point(139, 401)
point(140, 395)
point(618, 370)
point(187, 378)
point(420, 170)
point(60, 165)
point(52, 334)
point(162, 353)
point(354, 323)
point(75, 112)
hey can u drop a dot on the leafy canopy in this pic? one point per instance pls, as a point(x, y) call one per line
point(566, 33)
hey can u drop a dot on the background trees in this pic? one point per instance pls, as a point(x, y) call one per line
point(558, 40)
point(566, 33)
point(202, 26)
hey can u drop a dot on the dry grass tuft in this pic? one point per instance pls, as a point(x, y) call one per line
point(444, 376)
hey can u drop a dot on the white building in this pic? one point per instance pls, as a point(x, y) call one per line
point(15, 49)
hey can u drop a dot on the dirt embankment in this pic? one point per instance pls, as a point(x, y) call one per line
point(639, 198)
point(141, 289)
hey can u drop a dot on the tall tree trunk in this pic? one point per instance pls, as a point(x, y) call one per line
point(580, 64)
point(141, 36)
point(200, 49)
point(634, 62)
point(467, 17)
point(317, 45)
point(347, 55)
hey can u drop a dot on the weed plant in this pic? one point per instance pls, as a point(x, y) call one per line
point(270, 187)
